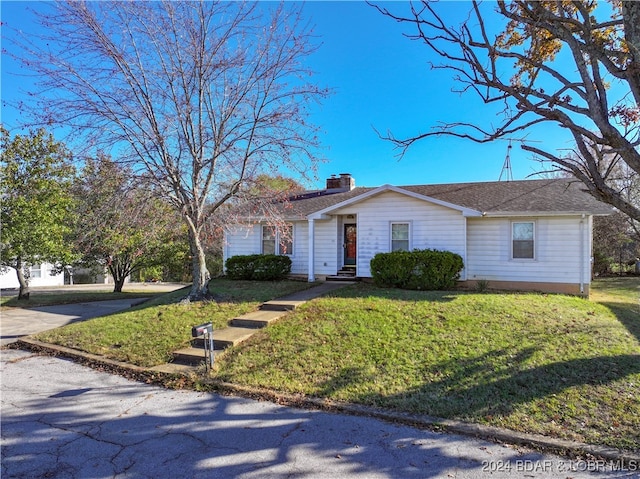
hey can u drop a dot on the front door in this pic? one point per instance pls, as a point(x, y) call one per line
point(350, 241)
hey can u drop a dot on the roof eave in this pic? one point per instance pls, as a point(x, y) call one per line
point(263, 218)
point(326, 212)
point(504, 214)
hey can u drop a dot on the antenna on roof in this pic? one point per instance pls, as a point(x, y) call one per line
point(506, 168)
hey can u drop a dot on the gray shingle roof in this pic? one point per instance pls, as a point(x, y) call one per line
point(556, 196)
point(527, 197)
point(304, 207)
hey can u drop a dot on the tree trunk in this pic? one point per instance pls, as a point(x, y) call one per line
point(23, 293)
point(117, 284)
point(118, 274)
point(200, 273)
point(631, 19)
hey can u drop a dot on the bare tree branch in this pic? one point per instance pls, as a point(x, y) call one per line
point(602, 43)
point(199, 96)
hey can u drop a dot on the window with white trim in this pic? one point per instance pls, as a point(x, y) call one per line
point(400, 237)
point(268, 239)
point(285, 240)
point(282, 237)
point(523, 240)
point(35, 271)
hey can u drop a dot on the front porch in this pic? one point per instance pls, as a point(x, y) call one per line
point(333, 248)
point(347, 273)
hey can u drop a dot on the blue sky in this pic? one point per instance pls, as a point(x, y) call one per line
point(380, 80)
point(383, 80)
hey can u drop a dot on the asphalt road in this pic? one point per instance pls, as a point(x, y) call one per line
point(63, 420)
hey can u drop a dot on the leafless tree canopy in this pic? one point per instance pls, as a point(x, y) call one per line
point(517, 69)
point(200, 96)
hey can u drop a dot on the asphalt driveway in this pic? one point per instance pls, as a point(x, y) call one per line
point(18, 322)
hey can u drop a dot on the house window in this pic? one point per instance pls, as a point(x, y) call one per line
point(282, 237)
point(35, 271)
point(522, 234)
point(268, 239)
point(285, 240)
point(399, 236)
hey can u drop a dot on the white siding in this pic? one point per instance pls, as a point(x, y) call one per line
point(562, 244)
point(241, 240)
point(246, 239)
point(561, 254)
point(300, 257)
point(432, 226)
point(326, 246)
point(9, 278)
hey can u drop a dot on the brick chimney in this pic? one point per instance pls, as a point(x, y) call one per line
point(347, 182)
point(344, 182)
point(333, 183)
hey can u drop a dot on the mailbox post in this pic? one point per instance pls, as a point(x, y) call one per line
point(205, 330)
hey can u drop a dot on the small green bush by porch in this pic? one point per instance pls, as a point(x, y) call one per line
point(426, 269)
point(259, 267)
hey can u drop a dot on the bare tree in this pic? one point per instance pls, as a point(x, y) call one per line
point(593, 93)
point(200, 96)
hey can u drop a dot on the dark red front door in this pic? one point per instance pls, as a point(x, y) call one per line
point(350, 242)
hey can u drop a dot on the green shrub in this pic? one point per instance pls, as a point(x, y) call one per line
point(214, 264)
point(271, 267)
point(238, 267)
point(419, 269)
point(259, 267)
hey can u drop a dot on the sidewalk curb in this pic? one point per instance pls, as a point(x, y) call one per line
point(180, 380)
point(494, 434)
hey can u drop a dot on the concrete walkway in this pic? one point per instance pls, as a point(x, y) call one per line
point(19, 322)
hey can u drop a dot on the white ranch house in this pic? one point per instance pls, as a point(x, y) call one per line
point(523, 235)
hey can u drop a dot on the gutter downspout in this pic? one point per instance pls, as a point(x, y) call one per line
point(582, 250)
point(466, 242)
point(312, 259)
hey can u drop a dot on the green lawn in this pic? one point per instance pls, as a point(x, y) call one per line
point(148, 334)
point(550, 364)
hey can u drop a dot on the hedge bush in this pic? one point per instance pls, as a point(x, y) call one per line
point(259, 267)
point(419, 269)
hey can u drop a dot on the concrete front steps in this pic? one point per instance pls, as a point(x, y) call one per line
point(243, 327)
point(347, 273)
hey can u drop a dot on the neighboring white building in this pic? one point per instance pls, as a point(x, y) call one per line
point(524, 235)
point(41, 275)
